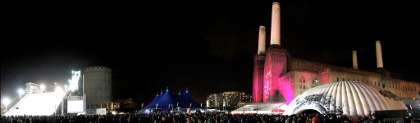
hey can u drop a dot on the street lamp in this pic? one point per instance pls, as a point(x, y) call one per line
point(20, 91)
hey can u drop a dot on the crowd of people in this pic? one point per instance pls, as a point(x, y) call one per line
point(197, 117)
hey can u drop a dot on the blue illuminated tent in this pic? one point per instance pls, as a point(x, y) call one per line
point(186, 100)
point(168, 101)
point(154, 99)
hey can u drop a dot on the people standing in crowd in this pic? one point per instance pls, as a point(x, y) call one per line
point(316, 119)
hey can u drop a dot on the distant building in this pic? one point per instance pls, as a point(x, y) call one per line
point(228, 100)
point(125, 105)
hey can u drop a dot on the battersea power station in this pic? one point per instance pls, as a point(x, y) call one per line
point(278, 77)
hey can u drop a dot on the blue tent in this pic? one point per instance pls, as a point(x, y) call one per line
point(187, 101)
point(154, 100)
point(167, 100)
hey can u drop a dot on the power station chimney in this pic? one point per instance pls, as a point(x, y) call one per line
point(261, 40)
point(355, 66)
point(275, 23)
point(379, 62)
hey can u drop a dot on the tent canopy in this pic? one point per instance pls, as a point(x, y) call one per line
point(168, 100)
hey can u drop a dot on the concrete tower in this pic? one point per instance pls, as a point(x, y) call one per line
point(275, 62)
point(97, 86)
point(379, 63)
point(355, 66)
point(259, 59)
point(261, 40)
point(275, 24)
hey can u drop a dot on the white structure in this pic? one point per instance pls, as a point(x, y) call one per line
point(74, 81)
point(37, 104)
point(351, 98)
point(32, 88)
point(261, 108)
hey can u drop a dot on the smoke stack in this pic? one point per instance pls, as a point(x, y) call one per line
point(275, 23)
point(379, 55)
point(261, 40)
point(355, 66)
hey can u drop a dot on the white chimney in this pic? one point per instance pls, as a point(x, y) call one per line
point(261, 40)
point(275, 24)
point(379, 63)
point(355, 66)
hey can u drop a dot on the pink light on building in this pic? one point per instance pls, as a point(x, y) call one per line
point(286, 87)
point(275, 65)
point(275, 60)
point(257, 86)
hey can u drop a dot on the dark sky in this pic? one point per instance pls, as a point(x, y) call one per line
point(206, 46)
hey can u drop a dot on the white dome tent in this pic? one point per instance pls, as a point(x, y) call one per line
point(350, 98)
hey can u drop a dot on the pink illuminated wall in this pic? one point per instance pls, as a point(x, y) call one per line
point(275, 64)
point(324, 77)
point(257, 86)
point(287, 88)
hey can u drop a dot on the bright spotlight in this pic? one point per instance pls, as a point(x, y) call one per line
point(6, 101)
point(42, 87)
point(20, 91)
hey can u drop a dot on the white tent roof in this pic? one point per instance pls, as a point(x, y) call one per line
point(259, 108)
point(351, 98)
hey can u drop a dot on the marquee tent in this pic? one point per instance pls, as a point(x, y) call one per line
point(168, 101)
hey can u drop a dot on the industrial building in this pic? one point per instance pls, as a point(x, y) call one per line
point(278, 77)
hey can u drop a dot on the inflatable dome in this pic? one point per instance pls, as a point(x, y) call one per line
point(350, 98)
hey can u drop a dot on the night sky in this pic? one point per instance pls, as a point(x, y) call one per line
point(205, 46)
